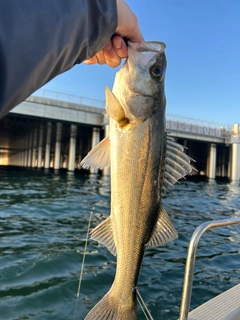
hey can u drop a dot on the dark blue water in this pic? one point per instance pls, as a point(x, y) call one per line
point(43, 225)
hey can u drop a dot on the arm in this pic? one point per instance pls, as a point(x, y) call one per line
point(41, 39)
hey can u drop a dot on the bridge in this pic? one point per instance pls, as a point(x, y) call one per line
point(57, 130)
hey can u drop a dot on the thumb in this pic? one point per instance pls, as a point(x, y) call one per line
point(127, 23)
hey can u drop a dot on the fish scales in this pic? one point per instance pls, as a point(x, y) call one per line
point(130, 219)
point(137, 149)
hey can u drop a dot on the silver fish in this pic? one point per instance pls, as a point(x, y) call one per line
point(144, 162)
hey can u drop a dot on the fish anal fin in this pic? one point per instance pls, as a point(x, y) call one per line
point(163, 232)
point(99, 156)
point(115, 109)
point(103, 234)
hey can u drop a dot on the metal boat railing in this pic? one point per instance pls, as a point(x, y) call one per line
point(190, 262)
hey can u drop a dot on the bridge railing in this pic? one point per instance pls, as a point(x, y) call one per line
point(197, 126)
point(174, 122)
point(69, 97)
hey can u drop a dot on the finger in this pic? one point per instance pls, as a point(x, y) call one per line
point(111, 56)
point(101, 57)
point(120, 47)
point(93, 60)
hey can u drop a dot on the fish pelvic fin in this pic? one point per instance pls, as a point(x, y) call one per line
point(99, 156)
point(109, 309)
point(115, 109)
point(178, 163)
point(164, 230)
point(103, 233)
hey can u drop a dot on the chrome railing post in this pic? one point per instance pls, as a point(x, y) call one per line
point(190, 262)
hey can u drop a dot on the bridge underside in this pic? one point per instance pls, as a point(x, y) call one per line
point(202, 152)
point(20, 134)
point(48, 133)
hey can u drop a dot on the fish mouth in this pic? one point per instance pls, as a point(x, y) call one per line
point(142, 52)
point(148, 46)
point(152, 46)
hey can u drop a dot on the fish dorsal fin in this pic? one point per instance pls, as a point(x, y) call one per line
point(99, 156)
point(115, 109)
point(103, 234)
point(163, 232)
point(177, 164)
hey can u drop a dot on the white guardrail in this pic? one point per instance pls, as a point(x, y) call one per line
point(196, 126)
point(69, 97)
point(174, 122)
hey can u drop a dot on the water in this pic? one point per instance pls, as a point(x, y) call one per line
point(43, 224)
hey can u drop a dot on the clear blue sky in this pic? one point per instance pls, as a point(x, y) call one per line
point(203, 53)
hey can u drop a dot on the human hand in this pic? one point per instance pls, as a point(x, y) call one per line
point(116, 48)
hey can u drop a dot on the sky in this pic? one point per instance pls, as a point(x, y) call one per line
point(203, 53)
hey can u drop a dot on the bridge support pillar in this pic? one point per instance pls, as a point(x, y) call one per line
point(33, 157)
point(95, 141)
point(106, 171)
point(25, 158)
point(29, 150)
point(72, 147)
point(25, 152)
point(34, 148)
point(40, 143)
point(58, 146)
point(21, 158)
point(29, 157)
point(211, 172)
point(21, 162)
point(235, 165)
point(48, 146)
point(18, 159)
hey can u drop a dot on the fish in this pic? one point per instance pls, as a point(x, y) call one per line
point(144, 163)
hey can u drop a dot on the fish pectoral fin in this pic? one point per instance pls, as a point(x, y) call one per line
point(103, 233)
point(99, 156)
point(164, 231)
point(115, 109)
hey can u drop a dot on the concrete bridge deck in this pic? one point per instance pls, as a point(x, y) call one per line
point(51, 109)
point(68, 111)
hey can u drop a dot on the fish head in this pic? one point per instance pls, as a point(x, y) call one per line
point(139, 85)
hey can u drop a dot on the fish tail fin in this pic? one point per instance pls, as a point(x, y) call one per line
point(108, 309)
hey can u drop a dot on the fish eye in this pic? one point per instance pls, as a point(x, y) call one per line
point(156, 72)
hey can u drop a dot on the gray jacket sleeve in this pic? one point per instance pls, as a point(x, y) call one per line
point(40, 39)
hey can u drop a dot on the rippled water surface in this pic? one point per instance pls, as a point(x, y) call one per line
point(43, 223)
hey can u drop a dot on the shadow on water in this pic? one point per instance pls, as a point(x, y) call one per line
point(43, 224)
